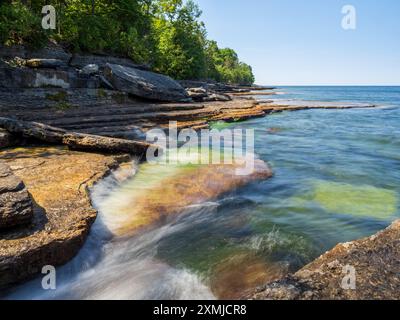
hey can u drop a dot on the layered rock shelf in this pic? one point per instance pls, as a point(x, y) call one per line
point(58, 181)
point(77, 141)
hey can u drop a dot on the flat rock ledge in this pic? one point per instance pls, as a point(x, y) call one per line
point(376, 262)
point(58, 181)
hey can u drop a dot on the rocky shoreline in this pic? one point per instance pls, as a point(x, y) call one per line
point(58, 181)
point(374, 261)
point(92, 114)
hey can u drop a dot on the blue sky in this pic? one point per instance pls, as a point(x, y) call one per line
point(302, 42)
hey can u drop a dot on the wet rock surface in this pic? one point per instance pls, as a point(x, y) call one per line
point(58, 181)
point(374, 261)
point(169, 190)
point(15, 203)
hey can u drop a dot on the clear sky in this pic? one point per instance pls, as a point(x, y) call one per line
point(302, 42)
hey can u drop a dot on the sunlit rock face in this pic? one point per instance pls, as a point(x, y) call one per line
point(158, 191)
point(56, 179)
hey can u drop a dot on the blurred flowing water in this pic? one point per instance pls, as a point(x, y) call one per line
point(337, 179)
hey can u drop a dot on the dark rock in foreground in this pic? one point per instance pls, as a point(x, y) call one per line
point(144, 84)
point(375, 261)
point(15, 203)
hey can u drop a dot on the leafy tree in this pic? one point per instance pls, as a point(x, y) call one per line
point(166, 34)
point(18, 25)
point(180, 39)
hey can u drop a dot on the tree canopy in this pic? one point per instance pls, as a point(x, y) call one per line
point(166, 34)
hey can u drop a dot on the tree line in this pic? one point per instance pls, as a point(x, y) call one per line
point(166, 34)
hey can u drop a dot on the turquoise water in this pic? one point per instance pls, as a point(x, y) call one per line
point(383, 96)
point(336, 179)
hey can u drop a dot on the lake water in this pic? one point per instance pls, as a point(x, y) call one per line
point(336, 179)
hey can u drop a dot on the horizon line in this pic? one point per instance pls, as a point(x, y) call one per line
point(330, 85)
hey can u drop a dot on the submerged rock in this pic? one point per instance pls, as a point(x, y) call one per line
point(158, 191)
point(144, 84)
point(241, 273)
point(15, 203)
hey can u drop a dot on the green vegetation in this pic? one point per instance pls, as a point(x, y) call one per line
point(57, 97)
point(61, 99)
point(64, 105)
point(166, 34)
point(19, 25)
